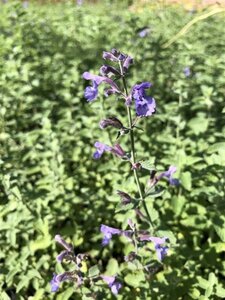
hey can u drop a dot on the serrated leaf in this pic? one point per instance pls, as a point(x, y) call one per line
point(198, 125)
point(125, 207)
point(148, 165)
point(154, 193)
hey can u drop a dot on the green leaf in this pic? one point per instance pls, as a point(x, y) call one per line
point(66, 294)
point(41, 243)
point(186, 180)
point(125, 207)
point(212, 279)
point(220, 291)
point(203, 283)
point(135, 279)
point(194, 294)
point(198, 125)
point(154, 193)
point(148, 164)
point(178, 203)
point(217, 147)
point(112, 267)
point(93, 271)
point(219, 226)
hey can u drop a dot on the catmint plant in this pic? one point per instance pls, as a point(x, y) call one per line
point(147, 247)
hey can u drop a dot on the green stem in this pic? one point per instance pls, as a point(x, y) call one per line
point(133, 159)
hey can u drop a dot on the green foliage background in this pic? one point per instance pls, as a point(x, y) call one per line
point(49, 181)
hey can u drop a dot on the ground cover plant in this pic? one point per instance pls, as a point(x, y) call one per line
point(49, 183)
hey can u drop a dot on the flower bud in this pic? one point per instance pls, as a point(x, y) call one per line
point(117, 150)
point(128, 61)
point(112, 121)
point(106, 70)
point(124, 197)
point(109, 56)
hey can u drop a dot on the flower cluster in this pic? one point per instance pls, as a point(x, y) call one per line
point(144, 104)
point(136, 236)
point(113, 76)
point(76, 275)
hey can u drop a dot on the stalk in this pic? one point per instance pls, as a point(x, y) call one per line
point(133, 159)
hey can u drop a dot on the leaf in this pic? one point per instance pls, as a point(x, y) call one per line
point(15, 191)
point(66, 294)
point(212, 279)
point(220, 291)
point(219, 226)
point(152, 211)
point(178, 203)
point(198, 125)
point(169, 234)
point(194, 294)
point(148, 164)
point(22, 283)
point(41, 243)
point(125, 207)
point(135, 279)
point(217, 147)
point(93, 271)
point(186, 180)
point(154, 193)
point(112, 267)
point(203, 283)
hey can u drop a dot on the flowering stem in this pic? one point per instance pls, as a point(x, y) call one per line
point(133, 160)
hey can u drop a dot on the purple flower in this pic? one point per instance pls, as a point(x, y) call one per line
point(108, 233)
point(161, 251)
point(187, 71)
point(127, 62)
point(112, 283)
point(57, 279)
point(91, 92)
point(145, 105)
point(62, 255)
point(106, 70)
point(117, 150)
point(117, 56)
point(62, 242)
point(169, 174)
point(144, 32)
point(54, 283)
point(101, 148)
point(110, 55)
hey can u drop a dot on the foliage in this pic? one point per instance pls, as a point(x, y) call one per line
point(50, 184)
